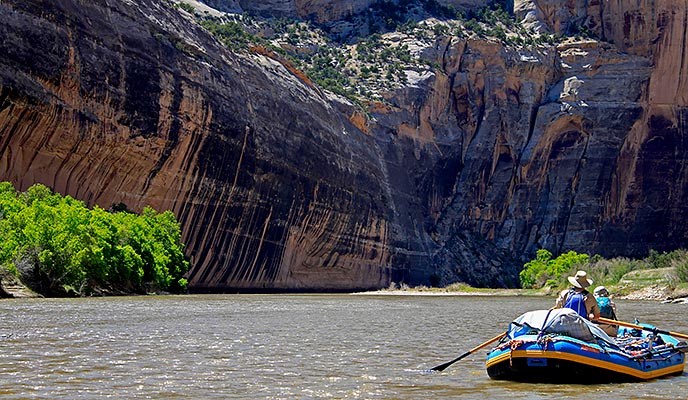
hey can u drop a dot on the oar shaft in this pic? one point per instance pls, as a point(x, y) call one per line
point(480, 346)
point(664, 349)
point(442, 367)
point(629, 325)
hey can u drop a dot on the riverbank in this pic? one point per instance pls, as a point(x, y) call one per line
point(639, 286)
point(652, 292)
point(12, 287)
point(653, 284)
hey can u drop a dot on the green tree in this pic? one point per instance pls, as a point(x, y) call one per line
point(544, 270)
point(58, 246)
point(10, 205)
point(535, 267)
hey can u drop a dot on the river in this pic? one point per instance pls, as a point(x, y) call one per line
point(281, 347)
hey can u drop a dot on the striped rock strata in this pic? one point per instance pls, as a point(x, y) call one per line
point(461, 175)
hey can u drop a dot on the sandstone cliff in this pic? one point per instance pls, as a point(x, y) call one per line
point(320, 10)
point(131, 102)
point(644, 195)
point(459, 175)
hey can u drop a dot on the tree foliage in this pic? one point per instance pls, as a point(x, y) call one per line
point(57, 246)
point(544, 270)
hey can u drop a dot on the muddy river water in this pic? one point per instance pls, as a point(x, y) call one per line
point(282, 347)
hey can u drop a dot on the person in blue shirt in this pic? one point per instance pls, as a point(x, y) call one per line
point(578, 298)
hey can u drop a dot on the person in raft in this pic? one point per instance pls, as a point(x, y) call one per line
point(607, 310)
point(579, 299)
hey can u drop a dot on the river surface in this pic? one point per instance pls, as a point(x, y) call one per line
point(282, 347)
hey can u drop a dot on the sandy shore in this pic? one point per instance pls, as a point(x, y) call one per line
point(653, 293)
point(440, 292)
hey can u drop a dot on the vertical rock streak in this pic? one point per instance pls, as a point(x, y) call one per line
point(279, 186)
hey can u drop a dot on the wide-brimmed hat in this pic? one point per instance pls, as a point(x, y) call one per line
point(601, 291)
point(581, 280)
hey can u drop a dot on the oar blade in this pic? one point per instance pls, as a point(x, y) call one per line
point(444, 366)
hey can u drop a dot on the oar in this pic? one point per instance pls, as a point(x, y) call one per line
point(444, 366)
point(629, 325)
point(682, 347)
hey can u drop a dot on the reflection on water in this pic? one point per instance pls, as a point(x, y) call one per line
point(281, 347)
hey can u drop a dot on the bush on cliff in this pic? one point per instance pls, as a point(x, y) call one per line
point(57, 246)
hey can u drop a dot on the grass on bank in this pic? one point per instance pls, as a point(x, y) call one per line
point(545, 275)
point(621, 274)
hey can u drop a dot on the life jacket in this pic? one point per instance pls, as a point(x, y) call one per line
point(605, 305)
point(576, 302)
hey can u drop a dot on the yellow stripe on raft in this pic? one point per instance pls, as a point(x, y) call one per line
point(588, 361)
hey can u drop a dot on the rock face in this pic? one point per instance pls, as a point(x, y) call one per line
point(461, 175)
point(645, 192)
point(317, 10)
point(131, 102)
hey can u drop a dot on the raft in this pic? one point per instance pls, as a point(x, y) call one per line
point(559, 346)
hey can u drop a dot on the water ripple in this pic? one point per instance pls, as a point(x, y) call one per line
point(275, 347)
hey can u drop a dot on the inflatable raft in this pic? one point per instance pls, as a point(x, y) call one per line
point(560, 346)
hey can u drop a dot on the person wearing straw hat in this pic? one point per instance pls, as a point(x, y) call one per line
point(578, 298)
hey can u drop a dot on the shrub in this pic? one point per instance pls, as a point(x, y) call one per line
point(231, 34)
point(656, 259)
point(57, 245)
point(186, 7)
point(545, 271)
point(610, 272)
point(682, 269)
point(534, 268)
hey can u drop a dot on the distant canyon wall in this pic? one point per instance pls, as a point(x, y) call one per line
point(459, 176)
point(603, 166)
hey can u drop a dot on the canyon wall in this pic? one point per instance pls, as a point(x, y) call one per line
point(646, 190)
point(461, 175)
point(131, 102)
point(317, 10)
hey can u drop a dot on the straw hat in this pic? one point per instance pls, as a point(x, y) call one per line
point(581, 280)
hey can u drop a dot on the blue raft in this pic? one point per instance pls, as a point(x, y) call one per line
point(560, 346)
